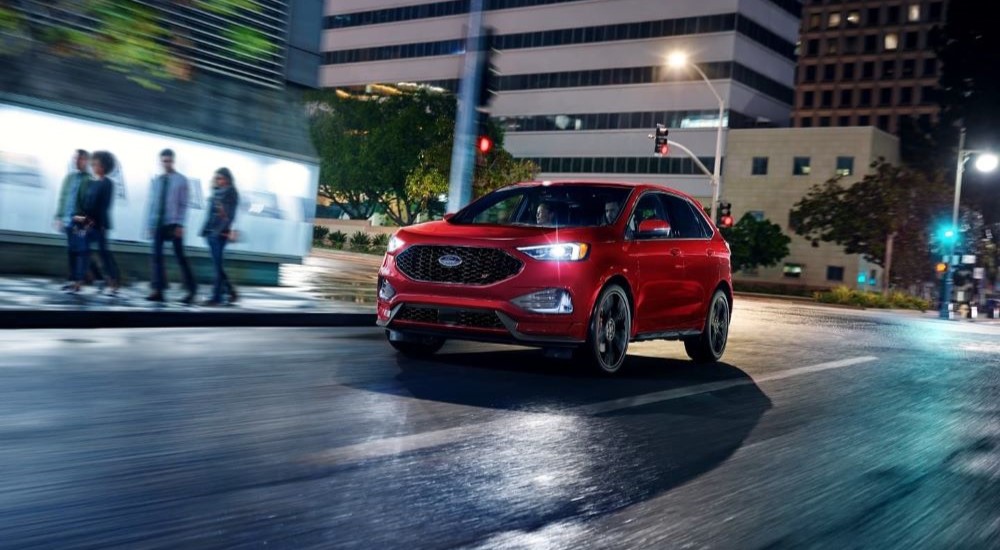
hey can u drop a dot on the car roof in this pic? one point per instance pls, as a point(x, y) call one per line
point(626, 184)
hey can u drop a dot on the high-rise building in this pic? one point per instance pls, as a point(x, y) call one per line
point(583, 82)
point(868, 62)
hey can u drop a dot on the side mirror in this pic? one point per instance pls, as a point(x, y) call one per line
point(449, 216)
point(651, 229)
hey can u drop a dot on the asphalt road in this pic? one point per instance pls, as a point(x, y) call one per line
point(824, 428)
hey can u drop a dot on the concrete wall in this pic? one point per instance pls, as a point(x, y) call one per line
point(775, 193)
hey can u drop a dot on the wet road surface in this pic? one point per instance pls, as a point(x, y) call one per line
point(823, 428)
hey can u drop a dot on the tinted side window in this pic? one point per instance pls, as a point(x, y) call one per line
point(683, 224)
point(706, 229)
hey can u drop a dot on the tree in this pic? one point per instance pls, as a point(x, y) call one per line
point(755, 243)
point(140, 39)
point(887, 217)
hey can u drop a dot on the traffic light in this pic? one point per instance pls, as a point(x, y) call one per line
point(487, 78)
point(484, 141)
point(485, 144)
point(661, 145)
point(941, 267)
point(725, 215)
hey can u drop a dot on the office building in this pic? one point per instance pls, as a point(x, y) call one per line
point(769, 170)
point(868, 62)
point(583, 82)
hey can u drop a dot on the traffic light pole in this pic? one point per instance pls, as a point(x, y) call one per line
point(700, 165)
point(949, 275)
point(463, 151)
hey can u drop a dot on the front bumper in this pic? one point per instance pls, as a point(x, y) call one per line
point(486, 313)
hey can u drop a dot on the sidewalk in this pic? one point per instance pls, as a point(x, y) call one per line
point(329, 289)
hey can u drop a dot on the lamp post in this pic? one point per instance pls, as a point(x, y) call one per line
point(679, 60)
point(986, 162)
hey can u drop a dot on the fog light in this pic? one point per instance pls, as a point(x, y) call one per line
point(385, 290)
point(550, 300)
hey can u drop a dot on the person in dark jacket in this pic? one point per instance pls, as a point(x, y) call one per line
point(69, 205)
point(93, 219)
point(218, 230)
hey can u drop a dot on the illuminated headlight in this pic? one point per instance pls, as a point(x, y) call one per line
point(395, 243)
point(550, 300)
point(385, 290)
point(565, 252)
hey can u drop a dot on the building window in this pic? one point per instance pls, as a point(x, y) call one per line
point(846, 99)
point(850, 44)
point(829, 73)
point(844, 121)
point(807, 122)
point(847, 72)
point(853, 18)
point(826, 99)
point(831, 46)
point(812, 48)
point(845, 166)
point(889, 69)
point(810, 75)
point(834, 21)
point(759, 167)
point(885, 97)
point(872, 17)
point(913, 14)
point(868, 70)
point(936, 12)
point(871, 43)
point(909, 68)
point(892, 16)
point(891, 42)
point(906, 95)
point(930, 67)
point(865, 98)
point(928, 95)
point(792, 271)
point(824, 121)
point(834, 273)
point(883, 123)
point(808, 98)
point(815, 21)
point(912, 41)
point(864, 120)
point(757, 214)
point(801, 166)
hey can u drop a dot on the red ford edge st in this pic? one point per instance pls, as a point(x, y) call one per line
point(579, 269)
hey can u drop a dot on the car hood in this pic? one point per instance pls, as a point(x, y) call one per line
point(442, 232)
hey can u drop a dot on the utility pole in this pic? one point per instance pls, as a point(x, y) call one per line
point(463, 150)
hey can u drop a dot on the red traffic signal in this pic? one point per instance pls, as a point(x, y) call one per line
point(664, 149)
point(726, 221)
point(485, 144)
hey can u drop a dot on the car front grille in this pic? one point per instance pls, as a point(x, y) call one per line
point(472, 318)
point(478, 266)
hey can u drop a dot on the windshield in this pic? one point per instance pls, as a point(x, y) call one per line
point(548, 206)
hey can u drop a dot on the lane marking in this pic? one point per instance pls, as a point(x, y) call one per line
point(390, 446)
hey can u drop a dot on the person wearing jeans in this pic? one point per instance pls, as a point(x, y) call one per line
point(94, 220)
point(218, 230)
point(70, 196)
point(168, 210)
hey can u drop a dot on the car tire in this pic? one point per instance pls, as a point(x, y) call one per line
point(709, 346)
point(609, 331)
point(421, 348)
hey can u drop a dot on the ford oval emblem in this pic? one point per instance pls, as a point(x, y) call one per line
point(450, 260)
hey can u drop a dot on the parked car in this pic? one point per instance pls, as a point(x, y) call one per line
point(577, 268)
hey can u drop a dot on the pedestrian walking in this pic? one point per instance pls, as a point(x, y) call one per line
point(69, 205)
point(218, 231)
point(168, 210)
point(93, 221)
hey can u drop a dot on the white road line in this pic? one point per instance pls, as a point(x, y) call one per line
point(397, 445)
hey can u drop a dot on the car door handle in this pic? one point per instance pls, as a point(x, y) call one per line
point(675, 252)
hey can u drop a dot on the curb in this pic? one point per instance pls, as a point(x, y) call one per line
point(83, 319)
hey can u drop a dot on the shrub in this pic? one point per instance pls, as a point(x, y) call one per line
point(360, 241)
point(338, 238)
point(380, 242)
point(846, 296)
point(319, 233)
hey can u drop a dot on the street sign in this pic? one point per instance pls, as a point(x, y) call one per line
point(979, 273)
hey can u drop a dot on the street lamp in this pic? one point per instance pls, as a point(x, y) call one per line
point(985, 162)
point(679, 60)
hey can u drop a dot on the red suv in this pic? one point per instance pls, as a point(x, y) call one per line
point(576, 268)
